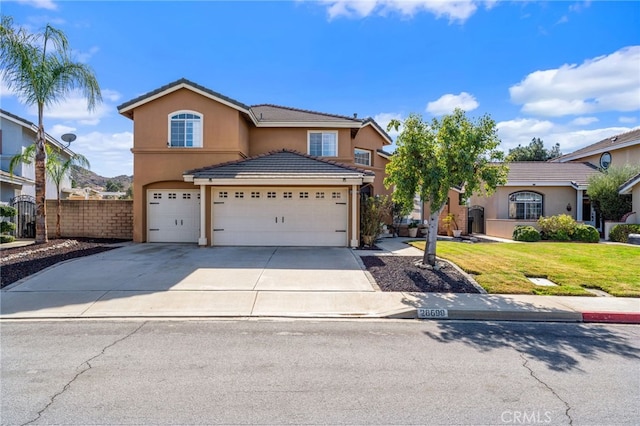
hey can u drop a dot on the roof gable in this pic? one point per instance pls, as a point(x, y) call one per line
point(622, 140)
point(128, 107)
point(628, 186)
point(279, 164)
point(34, 128)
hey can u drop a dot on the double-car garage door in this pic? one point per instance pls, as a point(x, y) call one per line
point(254, 216)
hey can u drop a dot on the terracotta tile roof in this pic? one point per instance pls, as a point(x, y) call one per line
point(278, 113)
point(540, 172)
point(608, 144)
point(279, 164)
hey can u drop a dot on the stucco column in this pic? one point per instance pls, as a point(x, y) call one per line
point(354, 216)
point(202, 241)
point(579, 205)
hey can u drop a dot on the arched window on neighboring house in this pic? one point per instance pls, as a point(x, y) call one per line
point(525, 205)
point(185, 129)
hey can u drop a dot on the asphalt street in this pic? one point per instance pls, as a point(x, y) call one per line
point(318, 372)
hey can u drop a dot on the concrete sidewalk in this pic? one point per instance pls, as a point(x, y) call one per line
point(197, 286)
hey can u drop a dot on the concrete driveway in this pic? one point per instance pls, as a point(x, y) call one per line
point(185, 280)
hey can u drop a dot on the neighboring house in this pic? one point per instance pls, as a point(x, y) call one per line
point(212, 170)
point(535, 189)
point(17, 133)
point(632, 186)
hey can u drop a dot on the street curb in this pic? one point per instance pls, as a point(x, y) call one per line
point(612, 317)
point(483, 315)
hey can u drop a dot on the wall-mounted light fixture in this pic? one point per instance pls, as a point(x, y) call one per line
point(568, 207)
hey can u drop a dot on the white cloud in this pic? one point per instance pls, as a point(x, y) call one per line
point(74, 108)
point(40, 4)
point(584, 121)
point(109, 153)
point(454, 10)
point(627, 119)
point(447, 103)
point(58, 130)
point(520, 132)
point(605, 83)
point(84, 57)
point(4, 90)
point(383, 120)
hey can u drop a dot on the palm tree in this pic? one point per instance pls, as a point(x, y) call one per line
point(57, 167)
point(38, 67)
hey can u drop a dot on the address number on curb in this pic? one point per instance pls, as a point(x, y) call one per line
point(432, 313)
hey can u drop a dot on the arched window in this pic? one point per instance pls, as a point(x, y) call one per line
point(185, 129)
point(525, 205)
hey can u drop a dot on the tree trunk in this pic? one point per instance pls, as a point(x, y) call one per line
point(58, 233)
point(431, 238)
point(40, 181)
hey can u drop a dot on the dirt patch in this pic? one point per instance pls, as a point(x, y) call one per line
point(20, 262)
point(399, 273)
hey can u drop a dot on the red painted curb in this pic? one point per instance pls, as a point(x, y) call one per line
point(619, 317)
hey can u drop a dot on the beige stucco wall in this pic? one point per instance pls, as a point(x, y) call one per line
point(619, 157)
point(496, 207)
point(635, 193)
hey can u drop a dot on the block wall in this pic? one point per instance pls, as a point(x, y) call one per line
point(92, 218)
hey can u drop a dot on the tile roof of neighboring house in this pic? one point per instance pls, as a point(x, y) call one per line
point(34, 127)
point(277, 113)
point(261, 115)
point(278, 164)
point(525, 173)
point(627, 187)
point(609, 144)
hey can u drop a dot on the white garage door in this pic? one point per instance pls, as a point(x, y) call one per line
point(280, 216)
point(173, 216)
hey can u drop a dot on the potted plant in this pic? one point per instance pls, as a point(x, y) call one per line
point(413, 229)
point(452, 225)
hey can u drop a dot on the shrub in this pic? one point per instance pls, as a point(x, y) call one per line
point(6, 227)
point(7, 239)
point(586, 233)
point(620, 233)
point(526, 233)
point(559, 228)
point(6, 211)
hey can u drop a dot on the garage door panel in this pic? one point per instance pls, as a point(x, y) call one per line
point(173, 216)
point(280, 216)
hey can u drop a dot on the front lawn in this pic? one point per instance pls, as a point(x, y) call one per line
point(504, 267)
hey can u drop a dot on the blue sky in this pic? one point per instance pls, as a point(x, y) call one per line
point(567, 72)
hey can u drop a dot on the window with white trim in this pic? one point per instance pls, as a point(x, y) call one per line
point(362, 156)
point(323, 144)
point(185, 129)
point(525, 205)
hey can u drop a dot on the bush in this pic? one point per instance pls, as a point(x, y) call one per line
point(6, 227)
point(559, 228)
point(586, 233)
point(6, 211)
point(620, 233)
point(6, 239)
point(526, 233)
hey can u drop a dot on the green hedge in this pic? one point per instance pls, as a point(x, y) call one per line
point(526, 233)
point(587, 234)
point(620, 233)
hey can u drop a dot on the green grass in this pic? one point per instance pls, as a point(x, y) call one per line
point(504, 267)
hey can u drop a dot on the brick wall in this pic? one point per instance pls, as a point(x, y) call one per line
point(92, 218)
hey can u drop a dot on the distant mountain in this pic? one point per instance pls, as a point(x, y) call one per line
point(83, 178)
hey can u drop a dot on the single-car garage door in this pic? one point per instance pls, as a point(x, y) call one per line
point(173, 216)
point(265, 216)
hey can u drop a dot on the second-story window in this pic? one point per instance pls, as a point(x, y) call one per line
point(323, 144)
point(185, 129)
point(362, 156)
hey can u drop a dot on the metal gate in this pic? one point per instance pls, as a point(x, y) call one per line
point(476, 220)
point(25, 220)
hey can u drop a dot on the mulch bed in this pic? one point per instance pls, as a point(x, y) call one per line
point(399, 273)
point(20, 262)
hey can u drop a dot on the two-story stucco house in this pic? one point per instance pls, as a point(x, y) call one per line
point(214, 171)
point(17, 133)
